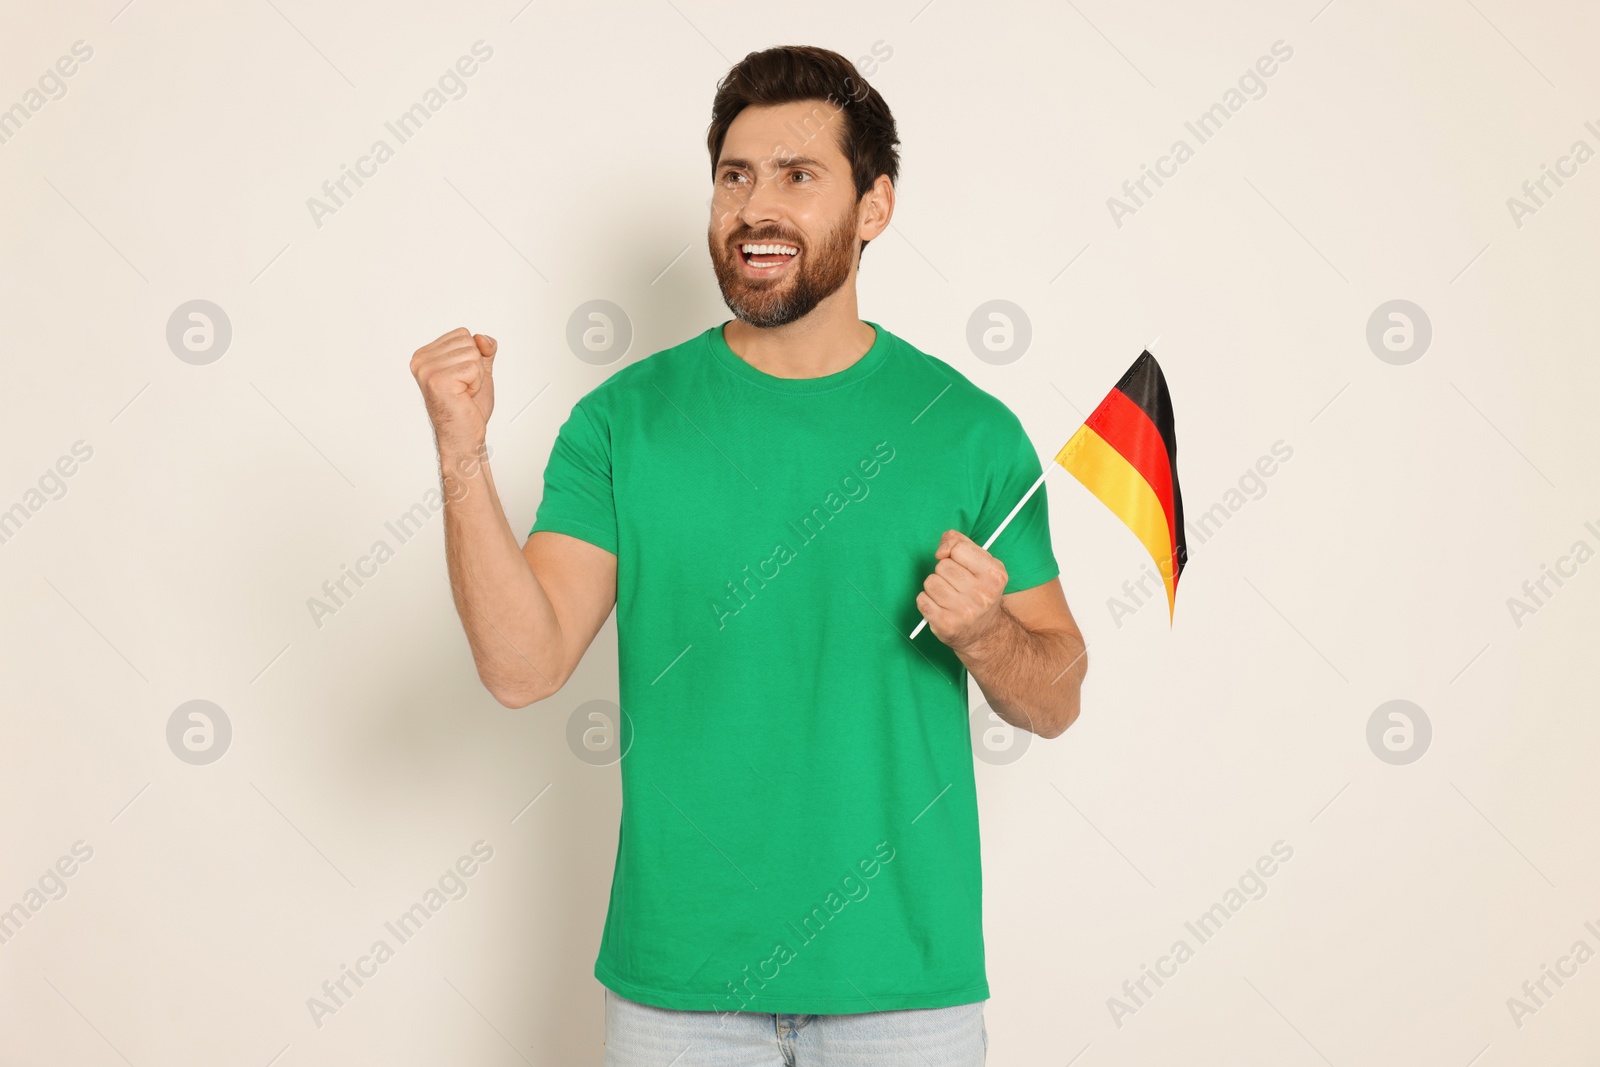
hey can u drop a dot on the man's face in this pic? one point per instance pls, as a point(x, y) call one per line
point(782, 180)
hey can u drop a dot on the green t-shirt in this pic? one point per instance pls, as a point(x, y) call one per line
point(799, 824)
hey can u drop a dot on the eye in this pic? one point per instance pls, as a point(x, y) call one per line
point(729, 174)
point(802, 173)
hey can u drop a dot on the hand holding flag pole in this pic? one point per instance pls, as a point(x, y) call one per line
point(1003, 523)
point(1126, 454)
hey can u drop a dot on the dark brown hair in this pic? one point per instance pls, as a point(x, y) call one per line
point(789, 73)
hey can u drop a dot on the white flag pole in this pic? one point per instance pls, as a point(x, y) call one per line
point(1004, 523)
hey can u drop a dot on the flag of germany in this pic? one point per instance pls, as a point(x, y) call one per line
point(1126, 453)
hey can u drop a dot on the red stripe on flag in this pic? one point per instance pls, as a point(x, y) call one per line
point(1126, 428)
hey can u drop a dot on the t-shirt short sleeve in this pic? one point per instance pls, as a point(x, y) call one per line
point(1011, 468)
point(578, 500)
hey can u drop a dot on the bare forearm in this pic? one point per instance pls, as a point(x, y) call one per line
point(1032, 680)
point(508, 618)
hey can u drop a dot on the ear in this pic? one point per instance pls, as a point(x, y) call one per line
point(876, 208)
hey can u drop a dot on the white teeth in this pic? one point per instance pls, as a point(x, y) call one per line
point(769, 250)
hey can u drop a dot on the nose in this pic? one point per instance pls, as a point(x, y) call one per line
point(761, 201)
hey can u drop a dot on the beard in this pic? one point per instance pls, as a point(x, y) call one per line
point(770, 302)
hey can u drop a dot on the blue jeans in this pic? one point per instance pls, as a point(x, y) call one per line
point(642, 1035)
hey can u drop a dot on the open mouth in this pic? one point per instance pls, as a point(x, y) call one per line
point(764, 259)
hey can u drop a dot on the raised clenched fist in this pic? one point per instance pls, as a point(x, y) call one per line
point(456, 375)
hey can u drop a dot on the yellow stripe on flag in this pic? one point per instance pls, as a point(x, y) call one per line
point(1121, 487)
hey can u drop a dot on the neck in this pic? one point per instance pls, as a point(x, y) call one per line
point(824, 342)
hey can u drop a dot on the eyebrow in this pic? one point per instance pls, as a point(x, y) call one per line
point(783, 164)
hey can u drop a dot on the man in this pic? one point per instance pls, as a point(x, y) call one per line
point(772, 506)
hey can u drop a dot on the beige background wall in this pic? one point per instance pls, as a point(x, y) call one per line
point(176, 561)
